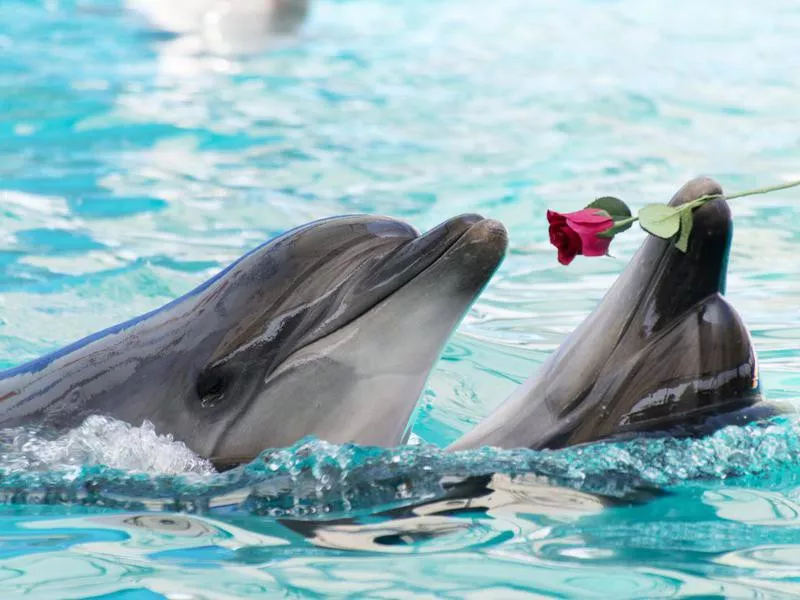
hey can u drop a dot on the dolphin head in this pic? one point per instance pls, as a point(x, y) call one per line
point(331, 330)
point(663, 351)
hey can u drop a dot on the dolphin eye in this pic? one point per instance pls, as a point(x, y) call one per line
point(211, 387)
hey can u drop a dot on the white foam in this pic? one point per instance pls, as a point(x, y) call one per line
point(100, 441)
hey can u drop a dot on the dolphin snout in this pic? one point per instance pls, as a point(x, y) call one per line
point(685, 278)
point(455, 227)
point(695, 188)
point(489, 231)
point(712, 222)
point(475, 228)
point(474, 256)
point(484, 237)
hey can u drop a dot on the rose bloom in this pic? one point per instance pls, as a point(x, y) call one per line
point(576, 233)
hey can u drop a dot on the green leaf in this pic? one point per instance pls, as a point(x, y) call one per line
point(617, 210)
point(615, 207)
point(687, 220)
point(660, 220)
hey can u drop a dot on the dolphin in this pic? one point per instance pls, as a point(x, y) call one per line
point(224, 26)
point(663, 353)
point(181, 16)
point(330, 330)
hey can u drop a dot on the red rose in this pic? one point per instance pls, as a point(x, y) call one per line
point(576, 233)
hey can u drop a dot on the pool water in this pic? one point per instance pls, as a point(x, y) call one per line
point(135, 164)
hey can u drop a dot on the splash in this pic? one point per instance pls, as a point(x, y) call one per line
point(108, 463)
point(99, 440)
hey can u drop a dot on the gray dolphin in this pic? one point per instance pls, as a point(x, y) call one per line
point(329, 330)
point(663, 352)
point(224, 19)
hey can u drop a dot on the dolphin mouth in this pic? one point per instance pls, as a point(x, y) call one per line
point(453, 233)
point(419, 254)
point(473, 229)
point(468, 247)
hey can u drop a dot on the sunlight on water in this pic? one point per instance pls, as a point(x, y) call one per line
point(134, 164)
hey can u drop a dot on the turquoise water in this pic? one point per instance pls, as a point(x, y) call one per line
point(133, 167)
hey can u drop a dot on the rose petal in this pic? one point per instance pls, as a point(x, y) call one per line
point(595, 246)
point(587, 224)
point(588, 216)
point(567, 242)
point(584, 230)
point(555, 218)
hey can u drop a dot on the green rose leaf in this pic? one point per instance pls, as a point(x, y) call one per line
point(687, 221)
point(660, 220)
point(616, 209)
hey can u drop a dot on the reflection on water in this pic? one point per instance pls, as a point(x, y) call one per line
point(456, 520)
point(513, 536)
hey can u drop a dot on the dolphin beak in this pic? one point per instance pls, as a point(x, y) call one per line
point(472, 228)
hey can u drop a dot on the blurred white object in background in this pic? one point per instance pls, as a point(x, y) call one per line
point(225, 26)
